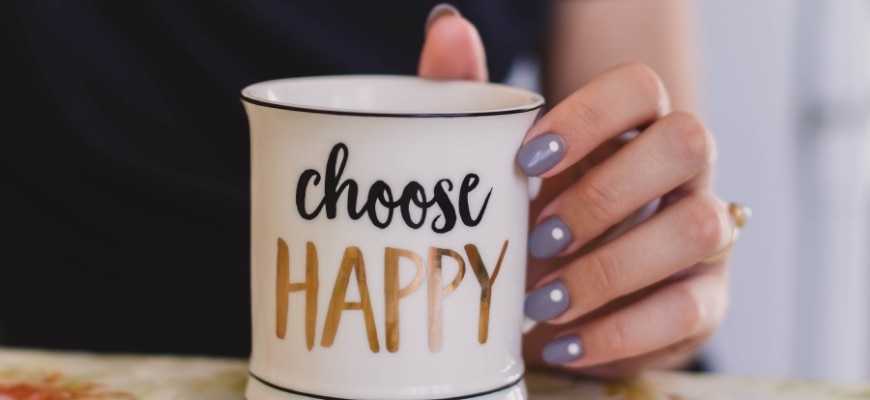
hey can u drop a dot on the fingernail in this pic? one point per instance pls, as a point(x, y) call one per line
point(549, 238)
point(540, 154)
point(439, 11)
point(628, 136)
point(562, 350)
point(547, 302)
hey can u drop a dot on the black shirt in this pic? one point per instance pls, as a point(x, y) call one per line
point(125, 153)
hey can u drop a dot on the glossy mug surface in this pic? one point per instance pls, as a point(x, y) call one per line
point(388, 237)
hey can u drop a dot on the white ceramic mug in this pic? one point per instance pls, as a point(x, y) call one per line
point(388, 237)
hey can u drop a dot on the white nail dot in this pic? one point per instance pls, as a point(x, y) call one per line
point(557, 233)
point(574, 349)
point(554, 146)
point(556, 295)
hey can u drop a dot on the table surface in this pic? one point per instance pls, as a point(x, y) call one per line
point(24, 374)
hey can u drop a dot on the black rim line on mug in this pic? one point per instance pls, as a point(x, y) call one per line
point(518, 110)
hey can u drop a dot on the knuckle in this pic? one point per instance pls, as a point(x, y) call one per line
point(690, 140)
point(603, 269)
point(688, 309)
point(599, 200)
point(615, 339)
point(648, 84)
point(584, 117)
point(706, 224)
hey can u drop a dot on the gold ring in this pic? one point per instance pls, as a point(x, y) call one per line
point(740, 214)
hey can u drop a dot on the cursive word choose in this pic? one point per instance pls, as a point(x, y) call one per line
point(413, 195)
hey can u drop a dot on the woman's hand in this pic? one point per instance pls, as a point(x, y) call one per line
point(621, 295)
point(622, 221)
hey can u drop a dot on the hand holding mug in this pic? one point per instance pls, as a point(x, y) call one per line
point(628, 241)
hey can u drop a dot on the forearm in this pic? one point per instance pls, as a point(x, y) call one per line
point(590, 36)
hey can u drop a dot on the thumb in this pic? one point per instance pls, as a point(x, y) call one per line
point(453, 49)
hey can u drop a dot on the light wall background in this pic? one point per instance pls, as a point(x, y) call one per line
point(786, 94)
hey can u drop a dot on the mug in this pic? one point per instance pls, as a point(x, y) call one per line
point(388, 237)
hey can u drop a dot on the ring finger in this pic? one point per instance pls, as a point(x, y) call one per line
point(682, 234)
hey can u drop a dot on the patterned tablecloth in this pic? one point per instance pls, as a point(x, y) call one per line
point(41, 375)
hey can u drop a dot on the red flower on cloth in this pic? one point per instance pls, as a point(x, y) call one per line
point(52, 387)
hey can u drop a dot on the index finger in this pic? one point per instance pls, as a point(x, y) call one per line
point(618, 100)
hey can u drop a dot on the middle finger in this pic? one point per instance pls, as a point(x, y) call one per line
point(669, 153)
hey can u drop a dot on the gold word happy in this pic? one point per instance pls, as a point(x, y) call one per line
point(352, 261)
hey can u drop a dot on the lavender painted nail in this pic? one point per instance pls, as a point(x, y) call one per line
point(562, 350)
point(547, 302)
point(549, 238)
point(540, 154)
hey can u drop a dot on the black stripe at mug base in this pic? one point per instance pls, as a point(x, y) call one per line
point(313, 396)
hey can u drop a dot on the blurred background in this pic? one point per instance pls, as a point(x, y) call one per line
point(786, 92)
point(785, 88)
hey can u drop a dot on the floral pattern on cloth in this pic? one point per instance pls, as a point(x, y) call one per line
point(46, 375)
point(53, 386)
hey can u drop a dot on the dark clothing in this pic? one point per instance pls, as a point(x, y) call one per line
point(125, 155)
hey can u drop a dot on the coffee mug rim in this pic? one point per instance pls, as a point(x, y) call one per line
point(536, 101)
